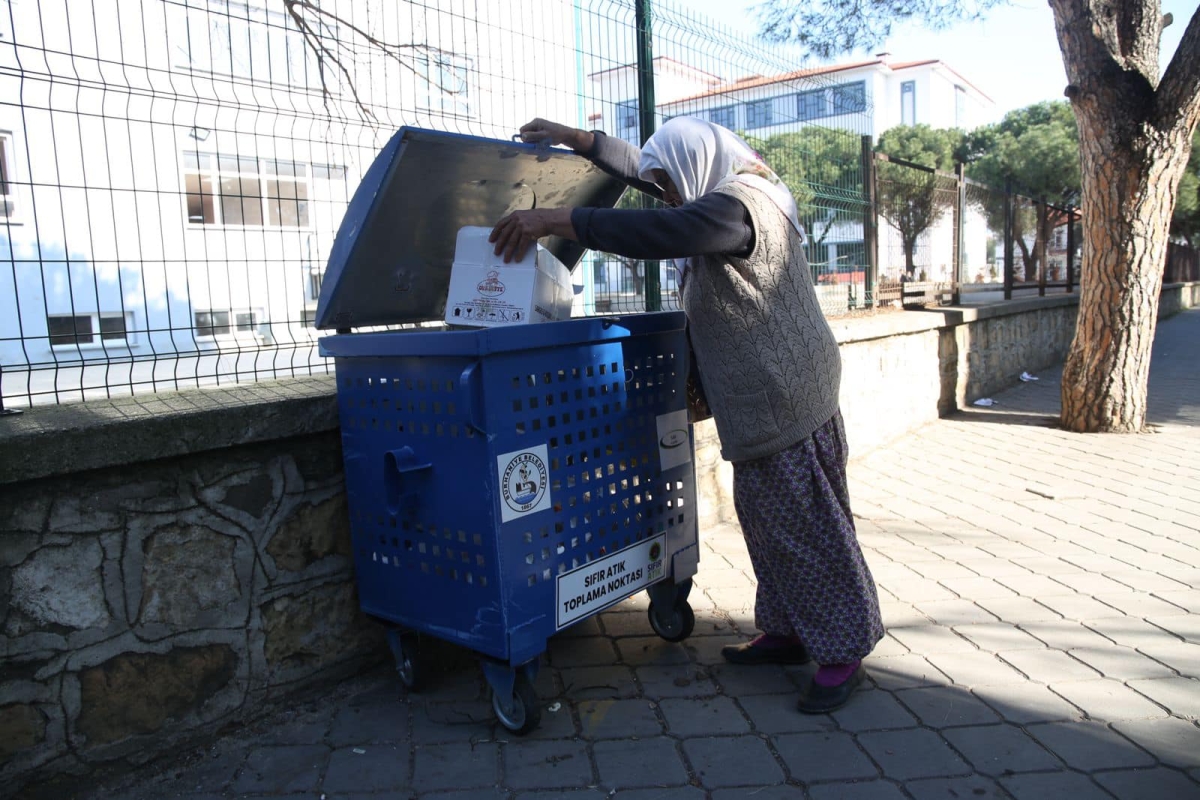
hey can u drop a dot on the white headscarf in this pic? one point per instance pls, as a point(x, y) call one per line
point(699, 156)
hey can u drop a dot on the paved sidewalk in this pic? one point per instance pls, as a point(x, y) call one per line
point(1042, 596)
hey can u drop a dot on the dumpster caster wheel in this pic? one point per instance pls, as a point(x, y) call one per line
point(408, 663)
point(676, 625)
point(522, 713)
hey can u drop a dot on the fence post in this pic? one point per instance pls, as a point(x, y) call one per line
point(1070, 249)
point(870, 237)
point(1008, 240)
point(960, 207)
point(645, 73)
point(1043, 220)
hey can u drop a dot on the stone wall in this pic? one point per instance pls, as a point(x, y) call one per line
point(172, 564)
point(146, 603)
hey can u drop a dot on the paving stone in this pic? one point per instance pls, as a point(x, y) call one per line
point(378, 768)
point(1089, 745)
point(607, 682)
point(975, 669)
point(904, 672)
point(946, 707)
point(1184, 626)
point(737, 680)
point(1000, 749)
point(495, 793)
point(1027, 703)
point(1049, 666)
point(574, 652)
point(676, 793)
point(909, 754)
point(732, 761)
point(707, 649)
point(772, 714)
point(928, 639)
point(651, 650)
point(1121, 663)
point(1130, 632)
point(1148, 784)
point(1174, 742)
point(1180, 695)
point(1018, 610)
point(1106, 699)
point(452, 722)
point(995, 637)
point(628, 763)
point(708, 716)
point(956, 612)
point(866, 790)
point(1050, 784)
point(1181, 656)
point(288, 768)
point(1064, 634)
point(816, 757)
point(972, 786)
point(1076, 607)
point(978, 588)
point(873, 710)
point(1138, 604)
point(780, 792)
point(678, 680)
point(385, 722)
point(462, 765)
point(615, 719)
point(546, 765)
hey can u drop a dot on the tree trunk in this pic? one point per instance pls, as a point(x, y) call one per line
point(1134, 137)
point(909, 257)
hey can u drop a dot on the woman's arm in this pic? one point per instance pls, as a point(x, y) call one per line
point(713, 224)
point(614, 156)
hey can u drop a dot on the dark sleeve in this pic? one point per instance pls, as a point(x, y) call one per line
point(714, 224)
point(620, 159)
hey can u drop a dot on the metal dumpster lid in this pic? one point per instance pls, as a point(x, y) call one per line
point(391, 259)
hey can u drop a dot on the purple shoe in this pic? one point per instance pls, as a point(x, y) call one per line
point(819, 698)
point(767, 649)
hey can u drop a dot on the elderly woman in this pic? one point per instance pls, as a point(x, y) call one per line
point(770, 368)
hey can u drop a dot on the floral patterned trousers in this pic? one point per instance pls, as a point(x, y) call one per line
point(794, 509)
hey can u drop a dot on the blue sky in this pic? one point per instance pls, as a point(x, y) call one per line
point(1012, 56)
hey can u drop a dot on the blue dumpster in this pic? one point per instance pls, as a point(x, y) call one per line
point(503, 483)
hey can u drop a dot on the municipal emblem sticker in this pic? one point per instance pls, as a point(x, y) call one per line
point(524, 482)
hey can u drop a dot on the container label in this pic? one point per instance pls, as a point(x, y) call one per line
point(600, 583)
point(674, 443)
point(524, 482)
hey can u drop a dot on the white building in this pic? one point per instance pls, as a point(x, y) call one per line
point(864, 98)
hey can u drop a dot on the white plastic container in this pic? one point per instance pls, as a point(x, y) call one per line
point(486, 292)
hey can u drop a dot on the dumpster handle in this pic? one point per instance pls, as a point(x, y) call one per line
point(397, 465)
point(467, 387)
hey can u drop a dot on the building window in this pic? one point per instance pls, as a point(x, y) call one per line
point(960, 107)
point(760, 114)
point(849, 98)
point(443, 83)
point(726, 116)
point(8, 198)
point(219, 37)
point(239, 190)
point(810, 104)
point(908, 103)
point(225, 322)
point(314, 283)
point(72, 330)
point(627, 120)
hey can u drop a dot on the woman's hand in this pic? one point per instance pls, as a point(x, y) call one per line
point(541, 130)
point(516, 232)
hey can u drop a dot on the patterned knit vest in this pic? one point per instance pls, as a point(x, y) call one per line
point(768, 360)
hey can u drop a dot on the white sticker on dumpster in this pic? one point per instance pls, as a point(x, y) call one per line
point(600, 583)
point(524, 482)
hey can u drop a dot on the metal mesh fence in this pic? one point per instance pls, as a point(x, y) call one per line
point(175, 170)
